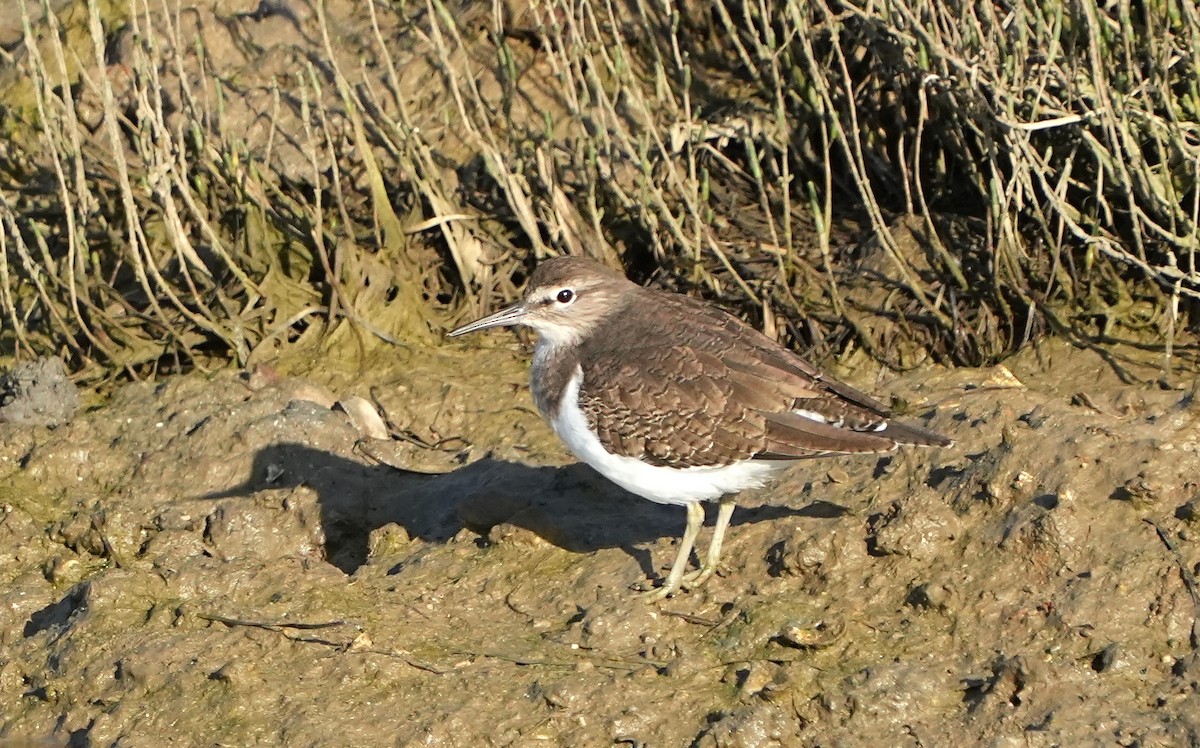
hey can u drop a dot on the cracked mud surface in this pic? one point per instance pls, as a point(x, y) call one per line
point(222, 560)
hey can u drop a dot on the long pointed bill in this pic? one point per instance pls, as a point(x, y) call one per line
point(504, 318)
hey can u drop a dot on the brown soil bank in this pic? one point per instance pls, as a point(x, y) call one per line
point(209, 561)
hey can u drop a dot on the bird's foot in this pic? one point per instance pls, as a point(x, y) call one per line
point(694, 579)
point(686, 583)
point(651, 594)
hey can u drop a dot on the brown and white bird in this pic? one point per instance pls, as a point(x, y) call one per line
point(679, 402)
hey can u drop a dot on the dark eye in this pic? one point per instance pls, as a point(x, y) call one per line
point(565, 296)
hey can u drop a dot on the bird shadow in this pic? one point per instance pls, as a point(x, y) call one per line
point(570, 506)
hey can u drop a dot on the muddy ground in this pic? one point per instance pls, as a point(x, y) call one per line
point(221, 560)
point(224, 559)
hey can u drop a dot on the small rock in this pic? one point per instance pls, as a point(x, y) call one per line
point(1104, 659)
point(628, 727)
point(809, 555)
point(837, 475)
point(386, 541)
point(235, 673)
point(298, 389)
point(1142, 492)
point(811, 634)
point(364, 416)
point(58, 570)
point(564, 694)
point(1188, 512)
point(999, 378)
point(1036, 418)
point(756, 725)
point(38, 393)
point(263, 375)
point(507, 533)
point(128, 671)
point(618, 629)
point(754, 678)
point(361, 643)
point(1022, 481)
point(929, 595)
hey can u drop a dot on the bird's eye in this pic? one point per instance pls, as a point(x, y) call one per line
point(566, 296)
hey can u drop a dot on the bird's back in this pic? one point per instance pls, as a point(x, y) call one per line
point(683, 383)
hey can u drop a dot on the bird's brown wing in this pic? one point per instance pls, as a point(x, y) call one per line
point(684, 407)
point(798, 384)
point(715, 392)
point(670, 411)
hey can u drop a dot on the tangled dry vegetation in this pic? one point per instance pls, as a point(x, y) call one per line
point(183, 184)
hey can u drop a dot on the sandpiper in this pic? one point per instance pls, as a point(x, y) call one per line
point(679, 402)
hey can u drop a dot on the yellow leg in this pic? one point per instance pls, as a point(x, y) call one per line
point(713, 558)
point(695, 518)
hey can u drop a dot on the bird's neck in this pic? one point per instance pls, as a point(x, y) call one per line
point(553, 365)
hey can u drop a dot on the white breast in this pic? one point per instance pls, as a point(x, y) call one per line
point(665, 485)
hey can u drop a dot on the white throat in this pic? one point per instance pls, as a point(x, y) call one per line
point(551, 335)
